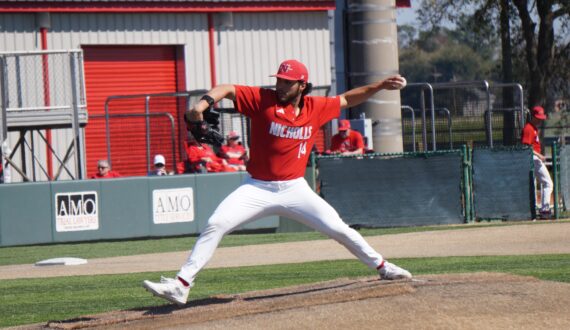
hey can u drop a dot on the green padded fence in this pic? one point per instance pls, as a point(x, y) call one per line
point(502, 184)
point(395, 190)
point(84, 210)
point(564, 175)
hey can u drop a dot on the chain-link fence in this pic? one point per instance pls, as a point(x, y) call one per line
point(42, 90)
point(444, 116)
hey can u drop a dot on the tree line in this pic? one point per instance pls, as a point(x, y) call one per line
point(522, 41)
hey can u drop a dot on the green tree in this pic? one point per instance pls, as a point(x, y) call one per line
point(540, 52)
point(441, 55)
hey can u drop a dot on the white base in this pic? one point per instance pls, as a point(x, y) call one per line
point(65, 261)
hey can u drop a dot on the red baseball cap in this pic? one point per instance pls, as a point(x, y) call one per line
point(538, 112)
point(343, 125)
point(292, 70)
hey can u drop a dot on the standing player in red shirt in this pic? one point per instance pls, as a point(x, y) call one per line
point(284, 124)
point(530, 137)
point(347, 141)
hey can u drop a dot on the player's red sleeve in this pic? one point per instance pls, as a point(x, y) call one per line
point(527, 135)
point(336, 142)
point(358, 141)
point(248, 99)
point(328, 107)
point(194, 154)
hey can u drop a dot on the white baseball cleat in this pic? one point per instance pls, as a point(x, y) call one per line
point(170, 289)
point(390, 271)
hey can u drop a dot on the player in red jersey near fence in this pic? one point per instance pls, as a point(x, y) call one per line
point(347, 141)
point(530, 137)
point(284, 125)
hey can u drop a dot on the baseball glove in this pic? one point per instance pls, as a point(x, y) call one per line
point(207, 131)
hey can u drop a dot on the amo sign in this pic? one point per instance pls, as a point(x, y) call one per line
point(172, 205)
point(76, 211)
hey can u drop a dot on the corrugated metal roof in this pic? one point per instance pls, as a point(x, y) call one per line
point(162, 1)
point(164, 5)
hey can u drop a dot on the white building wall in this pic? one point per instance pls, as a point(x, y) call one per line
point(18, 32)
point(247, 53)
point(252, 50)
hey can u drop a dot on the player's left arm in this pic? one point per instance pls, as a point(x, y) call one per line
point(358, 95)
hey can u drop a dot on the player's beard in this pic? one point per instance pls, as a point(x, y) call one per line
point(288, 97)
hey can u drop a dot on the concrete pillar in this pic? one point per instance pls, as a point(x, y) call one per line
point(373, 55)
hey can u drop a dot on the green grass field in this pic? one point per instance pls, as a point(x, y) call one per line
point(29, 301)
point(26, 301)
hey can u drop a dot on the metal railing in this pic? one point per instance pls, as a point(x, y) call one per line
point(42, 90)
point(471, 107)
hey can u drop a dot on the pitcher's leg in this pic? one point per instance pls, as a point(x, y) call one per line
point(305, 206)
point(245, 204)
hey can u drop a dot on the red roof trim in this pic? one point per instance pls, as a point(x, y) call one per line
point(164, 7)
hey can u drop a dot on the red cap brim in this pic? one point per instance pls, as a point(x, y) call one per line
point(282, 76)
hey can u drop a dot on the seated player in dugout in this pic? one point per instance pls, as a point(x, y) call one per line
point(203, 159)
point(234, 152)
point(347, 141)
point(104, 171)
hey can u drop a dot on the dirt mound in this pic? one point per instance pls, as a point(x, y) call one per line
point(466, 301)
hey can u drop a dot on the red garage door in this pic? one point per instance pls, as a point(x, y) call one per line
point(130, 70)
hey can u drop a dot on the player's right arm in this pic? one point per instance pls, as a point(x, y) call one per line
point(217, 93)
point(358, 95)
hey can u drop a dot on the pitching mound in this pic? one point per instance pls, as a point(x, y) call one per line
point(461, 301)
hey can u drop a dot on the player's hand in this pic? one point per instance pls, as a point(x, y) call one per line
point(203, 133)
point(204, 129)
point(394, 82)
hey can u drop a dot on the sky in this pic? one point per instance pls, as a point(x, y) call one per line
point(406, 16)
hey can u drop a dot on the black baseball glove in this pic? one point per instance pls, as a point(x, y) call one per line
point(207, 131)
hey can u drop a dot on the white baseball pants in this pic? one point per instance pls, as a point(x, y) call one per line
point(256, 199)
point(546, 185)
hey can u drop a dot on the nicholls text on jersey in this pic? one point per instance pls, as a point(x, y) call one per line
point(288, 132)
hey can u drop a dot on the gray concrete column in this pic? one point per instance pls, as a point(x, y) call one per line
point(373, 55)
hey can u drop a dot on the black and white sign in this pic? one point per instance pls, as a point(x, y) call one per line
point(173, 205)
point(76, 211)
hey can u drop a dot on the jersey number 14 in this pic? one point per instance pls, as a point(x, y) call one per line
point(302, 149)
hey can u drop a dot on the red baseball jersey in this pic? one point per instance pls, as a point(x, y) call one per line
point(234, 154)
point(280, 142)
point(352, 142)
point(530, 136)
